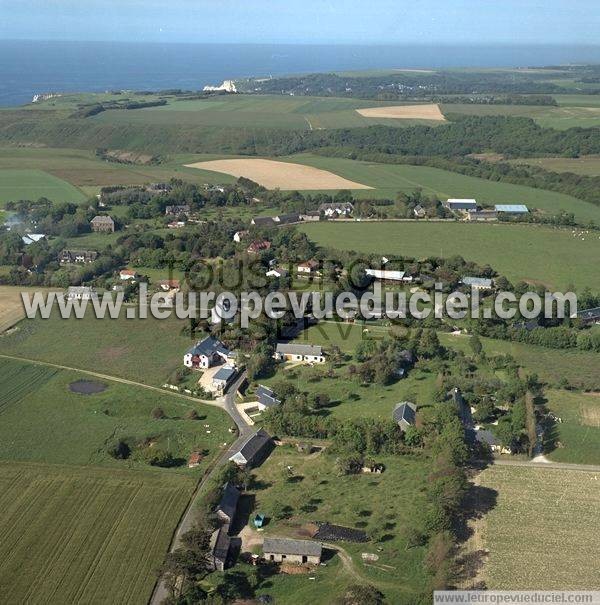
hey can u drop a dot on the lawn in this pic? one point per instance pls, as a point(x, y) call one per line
point(142, 350)
point(544, 531)
point(577, 438)
point(519, 252)
point(388, 179)
point(36, 402)
point(31, 184)
point(73, 535)
point(382, 505)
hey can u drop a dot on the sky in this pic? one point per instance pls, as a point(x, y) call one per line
point(305, 21)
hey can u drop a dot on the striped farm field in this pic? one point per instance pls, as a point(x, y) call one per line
point(20, 380)
point(74, 535)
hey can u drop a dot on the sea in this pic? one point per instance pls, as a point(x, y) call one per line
point(33, 67)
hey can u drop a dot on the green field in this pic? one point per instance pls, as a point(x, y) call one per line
point(258, 111)
point(146, 351)
point(577, 438)
point(585, 165)
point(30, 184)
point(73, 535)
point(561, 118)
point(36, 402)
point(555, 257)
point(553, 515)
point(383, 505)
point(389, 179)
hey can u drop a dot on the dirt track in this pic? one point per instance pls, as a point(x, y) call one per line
point(406, 112)
point(279, 175)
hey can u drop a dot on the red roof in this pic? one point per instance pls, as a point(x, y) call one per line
point(258, 245)
point(171, 283)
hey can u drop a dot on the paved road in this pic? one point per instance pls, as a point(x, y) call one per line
point(187, 520)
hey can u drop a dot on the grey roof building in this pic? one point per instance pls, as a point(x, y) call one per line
point(298, 349)
point(227, 507)
point(590, 315)
point(220, 543)
point(511, 208)
point(405, 414)
point(296, 551)
point(253, 450)
point(263, 221)
point(479, 283)
point(266, 397)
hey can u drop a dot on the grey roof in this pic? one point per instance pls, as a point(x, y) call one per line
point(405, 412)
point(80, 289)
point(461, 204)
point(463, 408)
point(337, 206)
point(515, 208)
point(266, 396)
point(229, 500)
point(477, 281)
point(287, 218)
point(263, 220)
point(224, 373)
point(589, 314)
point(287, 546)
point(220, 542)
point(298, 349)
point(209, 346)
point(485, 436)
point(102, 220)
point(254, 444)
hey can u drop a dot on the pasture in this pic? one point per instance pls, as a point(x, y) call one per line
point(279, 175)
point(553, 512)
point(261, 111)
point(144, 350)
point(37, 402)
point(81, 535)
point(577, 438)
point(11, 306)
point(381, 505)
point(518, 252)
point(32, 184)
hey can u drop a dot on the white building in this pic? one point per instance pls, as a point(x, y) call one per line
point(299, 352)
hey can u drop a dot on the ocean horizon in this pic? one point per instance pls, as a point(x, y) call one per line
point(33, 67)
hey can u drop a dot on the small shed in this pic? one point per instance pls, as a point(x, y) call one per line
point(259, 520)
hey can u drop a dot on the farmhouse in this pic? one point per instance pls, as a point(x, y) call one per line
point(308, 267)
point(511, 208)
point(207, 353)
point(238, 236)
point(277, 273)
point(227, 506)
point(460, 204)
point(254, 450)
point(299, 352)
point(102, 224)
point(79, 257)
point(266, 398)
point(33, 238)
point(177, 210)
point(222, 379)
point(404, 414)
point(219, 545)
point(81, 293)
point(176, 225)
point(477, 283)
point(336, 209)
point(166, 285)
point(482, 216)
point(263, 221)
point(314, 215)
point(389, 276)
point(286, 219)
point(488, 440)
point(258, 246)
point(127, 274)
point(419, 211)
point(282, 550)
